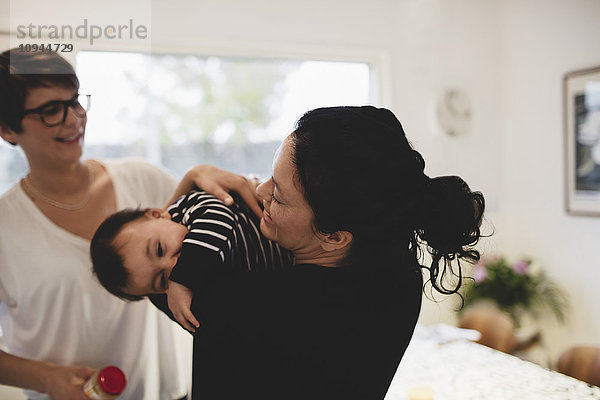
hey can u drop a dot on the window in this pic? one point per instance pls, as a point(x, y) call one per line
point(182, 110)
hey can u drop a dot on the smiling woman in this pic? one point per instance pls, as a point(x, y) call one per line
point(49, 300)
point(350, 199)
point(288, 218)
point(51, 306)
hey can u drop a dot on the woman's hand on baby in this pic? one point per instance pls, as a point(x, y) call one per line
point(219, 183)
point(179, 299)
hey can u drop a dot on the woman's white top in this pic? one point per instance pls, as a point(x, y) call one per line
point(52, 307)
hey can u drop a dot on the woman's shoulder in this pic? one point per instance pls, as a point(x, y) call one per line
point(130, 166)
point(12, 202)
point(136, 170)
point(10, 193)
point(139, 183)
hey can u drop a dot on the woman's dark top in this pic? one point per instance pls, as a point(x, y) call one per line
point(309, 332)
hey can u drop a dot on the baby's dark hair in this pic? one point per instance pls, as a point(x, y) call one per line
point(338, 151)
point(106, 260)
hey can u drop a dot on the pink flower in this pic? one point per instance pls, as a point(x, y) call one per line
point(479, 273)
point(521, 267)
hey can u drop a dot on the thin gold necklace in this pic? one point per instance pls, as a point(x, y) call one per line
point(69, 207)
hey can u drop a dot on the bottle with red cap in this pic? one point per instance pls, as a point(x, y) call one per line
point(106, 384)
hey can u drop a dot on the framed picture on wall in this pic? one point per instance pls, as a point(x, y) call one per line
point(582, 141)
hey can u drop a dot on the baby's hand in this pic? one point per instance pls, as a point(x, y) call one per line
point(179, 299)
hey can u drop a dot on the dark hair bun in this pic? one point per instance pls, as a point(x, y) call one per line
point(451, 216)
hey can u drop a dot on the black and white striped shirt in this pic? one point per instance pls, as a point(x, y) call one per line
point(221, 238)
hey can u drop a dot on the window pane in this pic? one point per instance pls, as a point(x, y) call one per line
point(182, 110)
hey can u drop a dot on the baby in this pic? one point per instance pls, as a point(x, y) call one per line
point(141, 252)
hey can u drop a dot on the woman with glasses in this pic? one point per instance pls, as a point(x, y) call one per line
point(59, 324)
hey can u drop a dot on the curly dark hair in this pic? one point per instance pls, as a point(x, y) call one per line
point(338, 150)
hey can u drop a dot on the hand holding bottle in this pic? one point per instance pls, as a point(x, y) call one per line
point(66, 382)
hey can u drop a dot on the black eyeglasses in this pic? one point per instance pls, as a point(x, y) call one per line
point(54, 112)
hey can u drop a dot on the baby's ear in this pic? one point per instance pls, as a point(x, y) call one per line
point(165, 214)
point(154, 213)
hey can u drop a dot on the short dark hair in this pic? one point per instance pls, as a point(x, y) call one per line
point(106, 261)
point(21, 71)
point(338, 150)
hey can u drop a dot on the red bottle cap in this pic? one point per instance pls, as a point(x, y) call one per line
point(112, 380)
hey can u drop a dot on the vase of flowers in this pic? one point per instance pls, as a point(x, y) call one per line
point(518, 288)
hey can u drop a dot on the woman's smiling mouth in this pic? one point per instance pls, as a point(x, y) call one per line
point(70, 139)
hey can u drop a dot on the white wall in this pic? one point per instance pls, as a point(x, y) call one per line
point(541, 40)
point(509, 56)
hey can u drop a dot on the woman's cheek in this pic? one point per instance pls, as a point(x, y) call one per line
point(275, 214)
